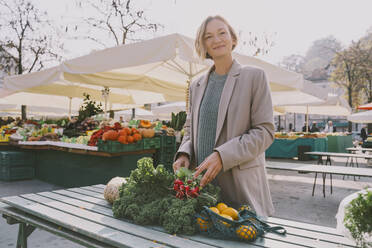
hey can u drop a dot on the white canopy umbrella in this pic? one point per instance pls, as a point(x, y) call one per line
point(169, 108)
point(139, 114)
point(334, 106)
point(162, 65)
point(361, 117)
point(46, 104)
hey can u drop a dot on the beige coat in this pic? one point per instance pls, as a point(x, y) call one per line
point(244, 131)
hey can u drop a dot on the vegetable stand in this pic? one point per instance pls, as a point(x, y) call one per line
point(71, 167)
point(83, 216)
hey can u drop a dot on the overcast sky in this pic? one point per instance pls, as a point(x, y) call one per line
point(292, 24)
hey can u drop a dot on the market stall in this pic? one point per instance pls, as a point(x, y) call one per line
point(285, 146)
point(82, 151)
point(339, 143)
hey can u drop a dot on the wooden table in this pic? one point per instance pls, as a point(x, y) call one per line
point(83, 216)
point(332, 170)
point(328, 156)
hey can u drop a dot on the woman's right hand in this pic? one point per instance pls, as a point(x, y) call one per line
point(182, 161)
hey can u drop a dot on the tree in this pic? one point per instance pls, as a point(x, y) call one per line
point(119, 19)
point(28, 40)
point(293, 62)
point(253, 44)
point(348, 74)
point(318, 58)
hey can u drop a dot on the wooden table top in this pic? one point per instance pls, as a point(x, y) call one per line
point(83, 213)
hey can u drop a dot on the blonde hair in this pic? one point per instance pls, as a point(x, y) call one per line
point(199, 41)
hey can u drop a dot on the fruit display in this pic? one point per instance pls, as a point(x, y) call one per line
point(296, 135)
point(123, 135)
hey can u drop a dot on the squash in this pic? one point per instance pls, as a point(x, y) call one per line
point(110, 135)
point(145, 124)
point(111, 191)
point(137, 137)
point(148, 133)
point(123, 139)
point(130, 139)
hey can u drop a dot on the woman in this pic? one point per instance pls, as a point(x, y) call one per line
point(230, 122)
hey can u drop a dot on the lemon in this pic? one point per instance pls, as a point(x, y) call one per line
point(221, 206)
point(246, 232)
point(214, 209)
point(204, 225)
point(230, 212)
point(227, 217)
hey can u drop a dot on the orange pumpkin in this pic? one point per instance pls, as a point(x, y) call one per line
point(134, 130)
point(122, 132)
point(137, 137)
point(130, 139)
point(110, 135)
point(127, 130)
point(123, 139)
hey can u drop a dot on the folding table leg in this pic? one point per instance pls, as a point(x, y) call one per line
point(329, 162)
point(316, 174)
point(324, 179)
point(320, 159)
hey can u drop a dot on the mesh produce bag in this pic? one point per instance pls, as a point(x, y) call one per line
point(247, 227)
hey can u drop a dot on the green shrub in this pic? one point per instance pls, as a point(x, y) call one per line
point(358, 218)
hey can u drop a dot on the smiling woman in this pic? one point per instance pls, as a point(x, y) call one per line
point(230, 122)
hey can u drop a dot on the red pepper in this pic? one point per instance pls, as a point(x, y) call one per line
point(176, 187)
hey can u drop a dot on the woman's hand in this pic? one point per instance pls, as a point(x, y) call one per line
point(213, 165)
point(182, 161)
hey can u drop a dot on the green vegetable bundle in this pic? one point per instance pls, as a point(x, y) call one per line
point(148, 198)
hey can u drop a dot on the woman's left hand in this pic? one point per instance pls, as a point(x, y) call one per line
point(213, 165)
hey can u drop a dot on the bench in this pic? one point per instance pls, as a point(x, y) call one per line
point(83, 216)
point(332, 170)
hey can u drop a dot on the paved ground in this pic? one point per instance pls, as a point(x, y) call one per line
point(291, 194)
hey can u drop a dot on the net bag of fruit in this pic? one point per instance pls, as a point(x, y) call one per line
point(247, 226)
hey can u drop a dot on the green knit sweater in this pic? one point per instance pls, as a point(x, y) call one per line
point(208, 113)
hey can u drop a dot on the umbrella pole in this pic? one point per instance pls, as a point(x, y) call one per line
point(69, 107)
point(307, 118)
point(105, 94)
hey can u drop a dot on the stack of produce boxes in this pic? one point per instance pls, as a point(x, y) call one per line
point(16, 165)
point(166, 153)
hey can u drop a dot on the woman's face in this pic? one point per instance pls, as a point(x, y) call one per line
point(217, 39)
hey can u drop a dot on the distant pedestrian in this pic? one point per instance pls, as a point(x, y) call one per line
point(304, 128)
point(329, 128)
point(314, 128)
point(363, 134)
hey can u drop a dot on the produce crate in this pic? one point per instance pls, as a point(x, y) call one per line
point(151, 143)
point(115, 146)
point(16, 158)
point(8, 173)
point(166, 141)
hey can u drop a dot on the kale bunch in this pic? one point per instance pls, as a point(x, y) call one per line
point(148, 198)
